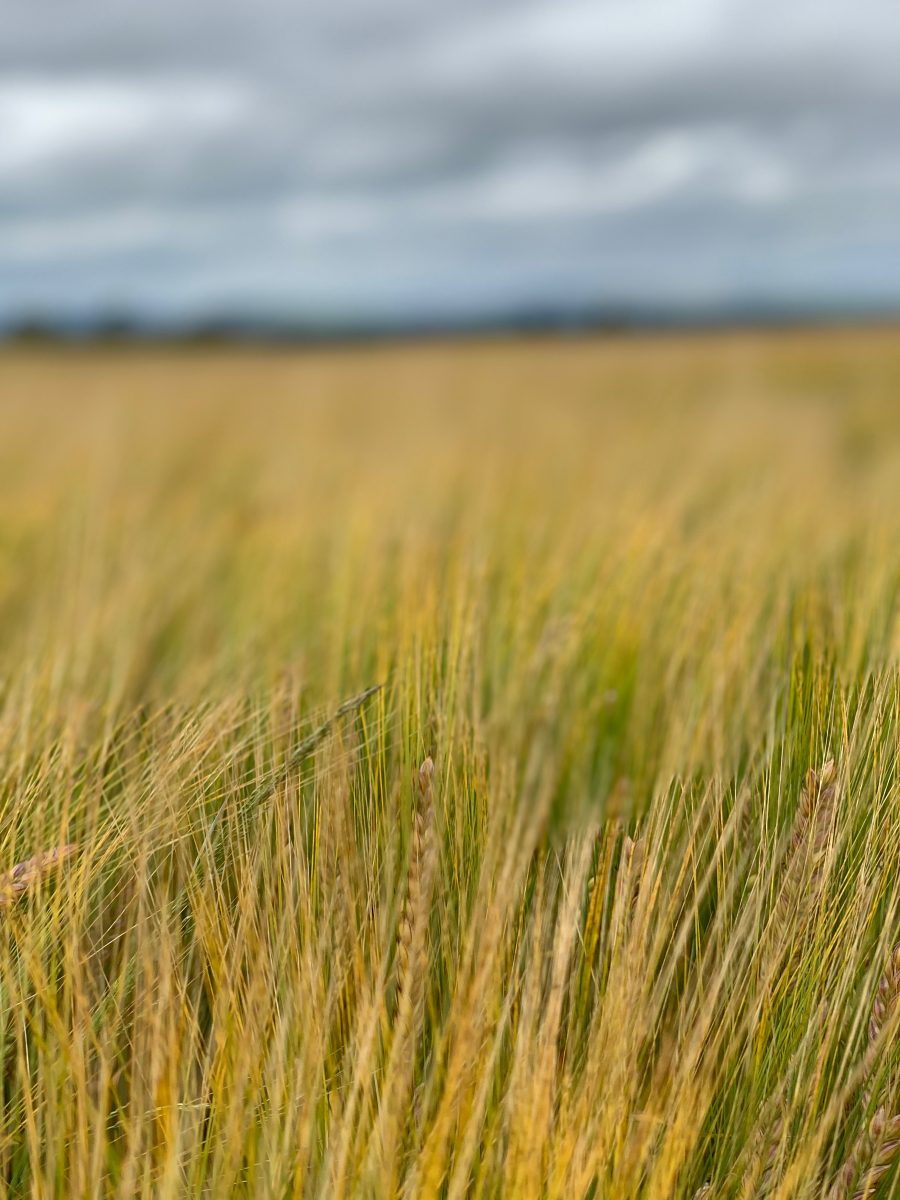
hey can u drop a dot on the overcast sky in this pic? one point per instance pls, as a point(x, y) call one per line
point(393, 159)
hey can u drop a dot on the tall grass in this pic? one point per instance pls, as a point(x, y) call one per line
point(596, 896)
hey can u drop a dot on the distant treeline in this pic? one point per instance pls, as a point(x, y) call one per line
point(125, 328)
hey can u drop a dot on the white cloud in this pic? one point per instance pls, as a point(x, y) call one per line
point(50, 121)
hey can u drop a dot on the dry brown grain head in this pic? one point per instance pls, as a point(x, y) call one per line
point(882, 1022)
point(824, 777)
point(425, 776)
point(878, 1144)
point(634, 851)
point(884, 1138)
point(807, 853)
point(817, 795)
point(15, 882)
point(761, 1170)
point(418, 880)
point(887, 996)
point(383, 1165)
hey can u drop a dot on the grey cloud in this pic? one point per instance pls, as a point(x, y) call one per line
point(384, 157)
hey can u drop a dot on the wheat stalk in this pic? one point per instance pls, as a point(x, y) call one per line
point(305, 748)
point(593, 919)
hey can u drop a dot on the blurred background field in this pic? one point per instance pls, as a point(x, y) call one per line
point(623, 591)
point(173, 518)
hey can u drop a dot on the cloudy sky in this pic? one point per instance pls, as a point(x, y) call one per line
point(391, 160)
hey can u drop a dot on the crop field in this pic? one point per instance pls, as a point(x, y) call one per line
point(453, 770)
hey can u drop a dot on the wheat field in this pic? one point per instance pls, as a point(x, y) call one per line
point(452, 770)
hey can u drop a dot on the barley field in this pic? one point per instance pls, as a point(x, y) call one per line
point(452, 770)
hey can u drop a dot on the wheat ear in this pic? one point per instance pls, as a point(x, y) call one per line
point(412, 968)
point(808, 845)
point(884, 1142)
point(887, 996)
point(628, 886)
point(15, 882)
point(411, 948)
point(879, 1143)
point(760, 1174)
point(802, 881)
